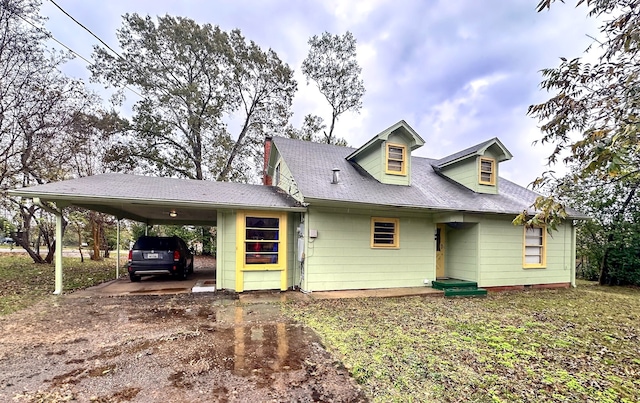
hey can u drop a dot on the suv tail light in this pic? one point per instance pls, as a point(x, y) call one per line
point(130, 255)
point(176, 255)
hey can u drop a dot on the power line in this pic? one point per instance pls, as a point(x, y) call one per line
point(86, 29)
point(50, 36)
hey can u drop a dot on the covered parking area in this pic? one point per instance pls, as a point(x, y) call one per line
point(152, 201)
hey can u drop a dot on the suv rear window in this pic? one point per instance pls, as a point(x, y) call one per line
point(154, 243)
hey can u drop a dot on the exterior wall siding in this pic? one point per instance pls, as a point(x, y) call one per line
point(464, 172)
point(287, 183)
point(261, 280)
point(372, 162)
point(341, 257)
point(293, 275)
point(226, 251)
point(461, 253)
point(500, 255)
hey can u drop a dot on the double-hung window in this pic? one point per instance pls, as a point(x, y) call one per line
point(487, 174)
point(262, 240)
point(396, 159)
point(535, 247)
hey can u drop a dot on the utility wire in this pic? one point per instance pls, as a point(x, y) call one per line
point(98, 38)
point(86, 29)
point(50, 36)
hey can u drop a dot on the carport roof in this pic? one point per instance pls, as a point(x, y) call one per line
point(151, 199)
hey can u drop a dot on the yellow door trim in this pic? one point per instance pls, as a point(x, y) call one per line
point(242, 267)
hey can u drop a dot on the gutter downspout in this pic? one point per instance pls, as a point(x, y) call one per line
point(58, 256)
point(572, 263)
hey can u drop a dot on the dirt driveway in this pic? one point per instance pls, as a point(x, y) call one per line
point(170, 348)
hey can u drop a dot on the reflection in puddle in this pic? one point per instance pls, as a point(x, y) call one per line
point(264, 347)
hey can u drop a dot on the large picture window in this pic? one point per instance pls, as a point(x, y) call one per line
point(396, 159)
point(535, 245)
point(262, 239)
point(385, 232)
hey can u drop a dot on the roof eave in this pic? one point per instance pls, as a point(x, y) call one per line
point(92, 199)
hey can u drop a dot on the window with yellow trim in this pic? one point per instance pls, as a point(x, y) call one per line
point(535, 247)
point(396, 159)
point(385, 232)
point(487, 171)
point(262, 240)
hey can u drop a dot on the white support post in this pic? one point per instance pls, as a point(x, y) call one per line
point(118, 249)
point(58, 258)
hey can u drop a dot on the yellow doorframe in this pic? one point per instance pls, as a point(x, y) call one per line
point(440, 250)
point(241, 266)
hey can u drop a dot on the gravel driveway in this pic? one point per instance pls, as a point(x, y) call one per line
point(171, 348)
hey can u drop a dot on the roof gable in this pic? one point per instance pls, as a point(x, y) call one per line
point(401, 128)
point(475, 151)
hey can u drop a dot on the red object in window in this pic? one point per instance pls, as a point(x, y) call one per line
point(176, 255)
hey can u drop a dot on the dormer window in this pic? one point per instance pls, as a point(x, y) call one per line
point(487, 171)
point(396, 159)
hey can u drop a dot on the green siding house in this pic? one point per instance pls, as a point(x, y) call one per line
point(339, 218)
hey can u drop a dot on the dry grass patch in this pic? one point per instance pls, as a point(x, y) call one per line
point(556, 345)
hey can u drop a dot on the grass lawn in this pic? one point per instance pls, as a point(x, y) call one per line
point(555, 345)
point(23, 283)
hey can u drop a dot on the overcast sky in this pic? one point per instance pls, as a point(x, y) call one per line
point(458, 71)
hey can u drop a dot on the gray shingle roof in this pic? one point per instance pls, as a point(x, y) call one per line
point(467, 152)
point(135, 187)
point(311, 165)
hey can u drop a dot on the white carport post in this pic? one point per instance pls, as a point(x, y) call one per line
point(58, 257)
point(118, 248)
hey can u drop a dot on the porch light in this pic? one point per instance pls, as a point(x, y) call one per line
point(173, 214)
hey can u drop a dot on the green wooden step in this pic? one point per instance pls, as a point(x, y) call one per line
point(465, 292)
point(453, 283)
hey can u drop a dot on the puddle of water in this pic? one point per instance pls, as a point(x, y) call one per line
point(252, 341)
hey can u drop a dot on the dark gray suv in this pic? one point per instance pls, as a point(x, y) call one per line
point(159, 255)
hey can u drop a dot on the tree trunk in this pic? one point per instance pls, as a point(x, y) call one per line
point(329, 138)
point(95, 232)
point(234, 151)
point(80, 243)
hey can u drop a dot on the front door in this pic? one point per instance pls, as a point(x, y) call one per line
point(440, 249)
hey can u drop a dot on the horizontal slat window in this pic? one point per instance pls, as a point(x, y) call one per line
point(385, 232)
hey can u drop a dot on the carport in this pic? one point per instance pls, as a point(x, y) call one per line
point(153, 201)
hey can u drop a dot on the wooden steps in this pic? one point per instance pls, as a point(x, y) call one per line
point(459, 288)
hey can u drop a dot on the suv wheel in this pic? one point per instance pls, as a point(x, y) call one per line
point(191, 267)
point(134, 278)
point(182, 274)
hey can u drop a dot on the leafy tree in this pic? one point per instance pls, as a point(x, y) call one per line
point(594, 118)
point(332, 65)
point(192, 77)
point(608, 245)
point(38, 108)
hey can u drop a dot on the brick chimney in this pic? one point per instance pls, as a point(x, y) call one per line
point(266, 179)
